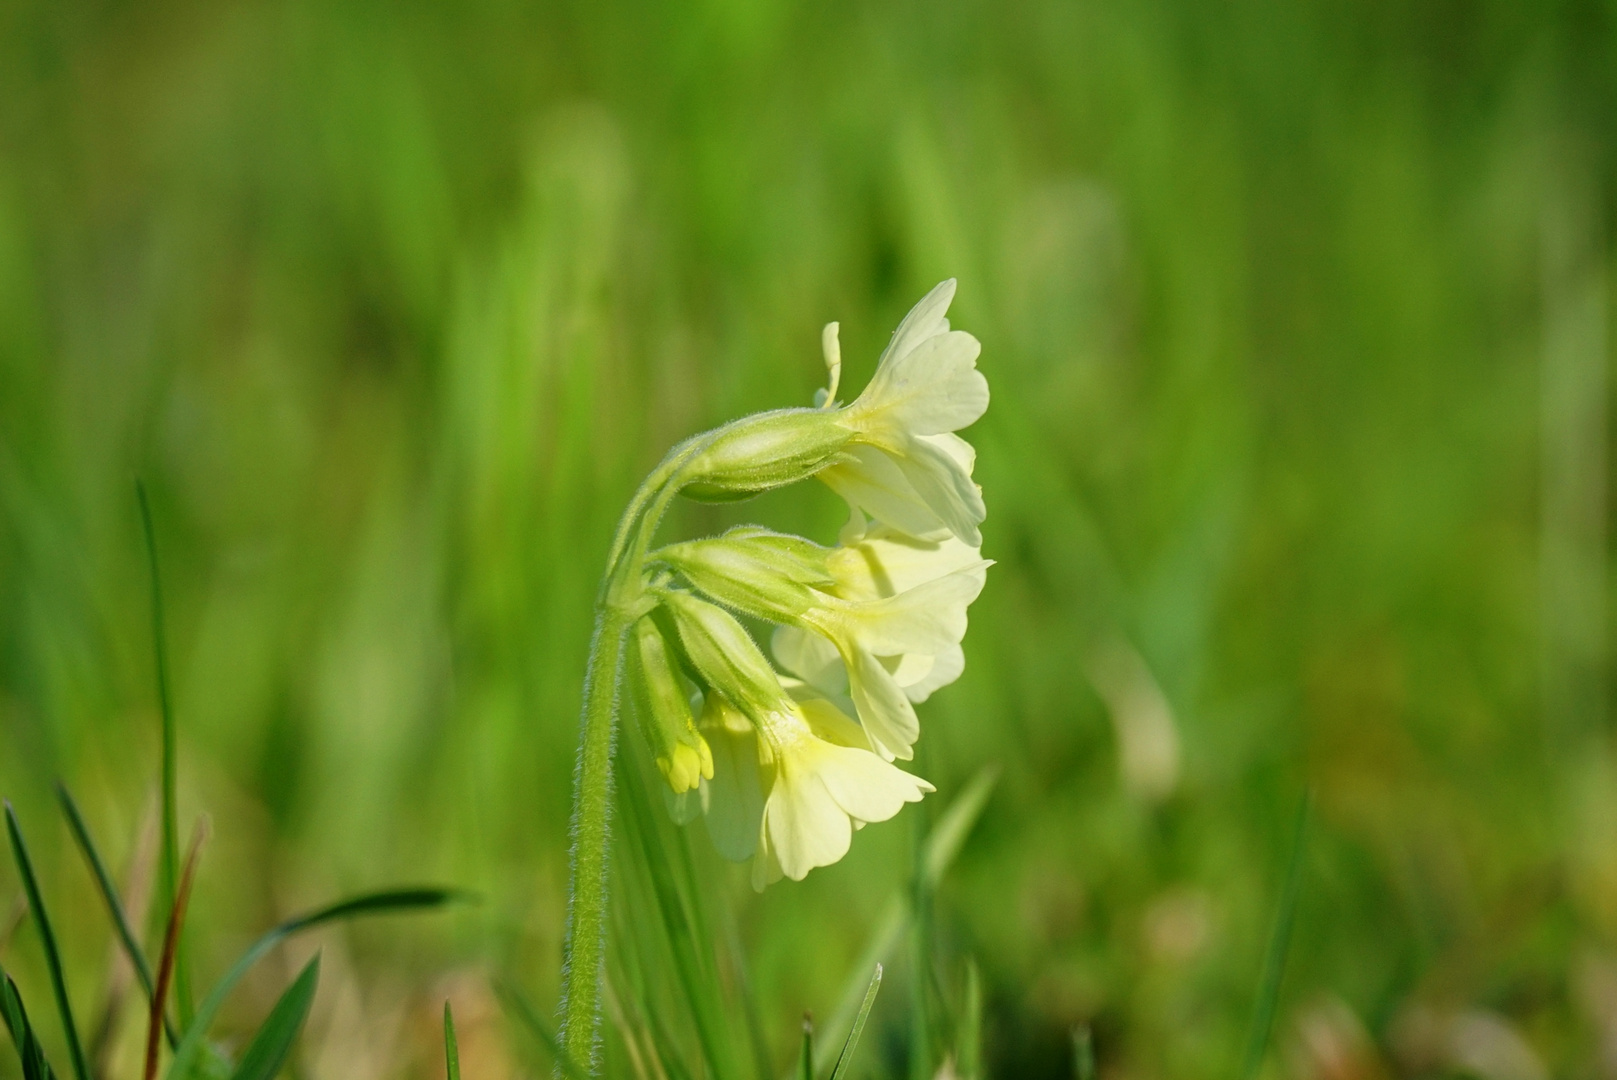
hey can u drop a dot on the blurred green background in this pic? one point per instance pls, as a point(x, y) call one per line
point(1296, 321)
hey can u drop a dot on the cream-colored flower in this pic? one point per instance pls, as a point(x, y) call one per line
point(890, 633)
point(788, 793)
point(905, 466)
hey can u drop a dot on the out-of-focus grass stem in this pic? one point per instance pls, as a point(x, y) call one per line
point(1274, 961)
point(171, 828)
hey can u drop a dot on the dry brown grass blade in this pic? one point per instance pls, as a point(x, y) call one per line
point(171, 943)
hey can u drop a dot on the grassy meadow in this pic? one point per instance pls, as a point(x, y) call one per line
point(1296, 322)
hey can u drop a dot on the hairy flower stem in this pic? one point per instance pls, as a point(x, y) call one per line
point(592, 812)
point(620, 604)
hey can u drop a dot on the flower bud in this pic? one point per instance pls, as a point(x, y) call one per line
point(725, 655)
point(766, 574)
point(665, 710)
point(764, 451)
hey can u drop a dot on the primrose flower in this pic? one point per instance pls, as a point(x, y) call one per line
point(790, 792)
point(879, 618)
point(904, 466)
point(889, 634)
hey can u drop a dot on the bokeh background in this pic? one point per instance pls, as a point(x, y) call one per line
point(1296, 320)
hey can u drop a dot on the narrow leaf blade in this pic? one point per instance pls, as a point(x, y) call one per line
point(379, 903)
point(53, 958)
point(451, 1047)
point(267, 1052)
point(845, 1059)
point(1274, 961)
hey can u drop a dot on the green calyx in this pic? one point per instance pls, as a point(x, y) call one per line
point(764, 451)
point(664, 709)
point(725, 655)
point(762, 573)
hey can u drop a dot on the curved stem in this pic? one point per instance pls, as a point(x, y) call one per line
point(619, 605)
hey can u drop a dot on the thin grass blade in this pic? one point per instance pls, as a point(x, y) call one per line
point(451, 1047)
point(845, 1058)
point(171, 826)
point(29, 1053)
point(1083, 1053)
point(267, 1052)
point(53, 957)
point(171, 947)
point(805, 1058)
point(191, 1043)
point(1274, 962)
point(695, 976)
point(517, 1007)
point(943, 844)
point(115, 907)
point(968, 1047)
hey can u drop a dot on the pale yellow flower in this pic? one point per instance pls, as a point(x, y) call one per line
point(890, 632)
point(904, 466)
point(788, 793)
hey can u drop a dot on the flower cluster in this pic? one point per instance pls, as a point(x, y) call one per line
point(785, 760)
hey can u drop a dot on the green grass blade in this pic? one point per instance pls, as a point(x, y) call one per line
point(191, 1044)
point(170, 787)
point(29, 1053)
point(115, 908)
point(845, 1058)
point(451, 1047)
point(968, 1047)
point(517, 1007)
point(696, 979)
point(1083, 1053)
point(267, 1052)
point(943, 844)
point(53, 957)
point(805, 1059)
point(1274, 961)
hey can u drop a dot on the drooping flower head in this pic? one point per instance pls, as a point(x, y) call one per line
point(785, 768)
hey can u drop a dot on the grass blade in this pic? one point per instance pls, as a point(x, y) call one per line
point(115, 908)
point(451, 1048)
point(267, 1052)
point(517, 1007)
point(943, 844)
point(171, 947)
point(191, 1043)
point(1274, 961)
point(29, 1052)
point(805, 1059)
point(1083, 1053)
point(845, 1058)
point(171, 827)
point(968, 1049)
point(696, 979)
point(53, 958)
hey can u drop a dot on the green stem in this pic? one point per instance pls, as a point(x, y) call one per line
point(592, 816)
point(621, 602)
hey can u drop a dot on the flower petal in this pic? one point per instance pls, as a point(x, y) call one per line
point(932, 388)
point(806, 826)
point(810, 657)
point(734, 798)
point(945, 487)
point(872, 481)
point(947, 666)
point(925, 320)
point(865, 786)
point(887, 715)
